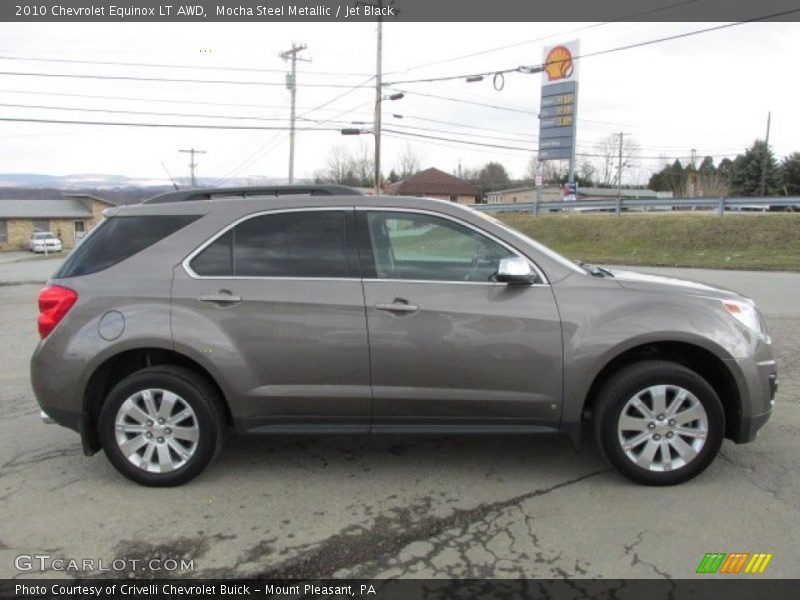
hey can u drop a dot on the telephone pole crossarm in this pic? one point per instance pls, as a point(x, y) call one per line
point(192, 164)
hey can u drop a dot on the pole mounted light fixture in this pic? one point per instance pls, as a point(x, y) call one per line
point(355, 131)
point(474, 78)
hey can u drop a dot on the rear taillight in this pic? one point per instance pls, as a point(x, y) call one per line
point(54, 302)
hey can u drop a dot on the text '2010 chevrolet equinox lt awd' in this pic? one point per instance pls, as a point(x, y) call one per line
point(324, 311)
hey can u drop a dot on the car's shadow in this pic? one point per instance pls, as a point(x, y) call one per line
point(503, 456)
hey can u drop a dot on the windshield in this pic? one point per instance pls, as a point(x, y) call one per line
point(43, 236)
point(552, 254)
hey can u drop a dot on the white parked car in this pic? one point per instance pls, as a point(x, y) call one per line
point(44, 242)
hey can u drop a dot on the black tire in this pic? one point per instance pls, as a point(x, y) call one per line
point(631, 380)
point(196, 392)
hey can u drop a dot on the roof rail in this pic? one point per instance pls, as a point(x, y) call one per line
point(244, 192)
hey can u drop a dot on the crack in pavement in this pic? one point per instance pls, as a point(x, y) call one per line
point(357, 546)
point(635, 560)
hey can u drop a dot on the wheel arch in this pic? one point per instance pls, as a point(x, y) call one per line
point(119, 366)
point(699, 359)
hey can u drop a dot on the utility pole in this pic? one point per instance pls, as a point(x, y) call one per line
point(291, 85)
point(378, 98)
point(619, 168)
point(193, 164)
point(763, 186)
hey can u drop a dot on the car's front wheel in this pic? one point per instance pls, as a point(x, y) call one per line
point(162, 426)
point(659, 423)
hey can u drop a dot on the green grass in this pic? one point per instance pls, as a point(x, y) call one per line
point(742, 241)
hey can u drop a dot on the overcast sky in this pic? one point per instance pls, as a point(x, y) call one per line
point(710, 92)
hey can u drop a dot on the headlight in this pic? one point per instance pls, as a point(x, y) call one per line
point(746, 314)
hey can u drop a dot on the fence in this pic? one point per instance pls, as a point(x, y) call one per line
point(618, 206)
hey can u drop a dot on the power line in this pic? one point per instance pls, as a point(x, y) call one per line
point(149, 99)
point(455, 124)
point(170, 66)
point(478, 135)
point(542, 38)
point(167, 79)
point(166, 125)
point(472, 102)
point(145, 112)
point(470, 143)
point(265, 147)
point(535, 69)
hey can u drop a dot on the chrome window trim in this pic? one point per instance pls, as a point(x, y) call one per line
point(478, 230)
point(190, 272)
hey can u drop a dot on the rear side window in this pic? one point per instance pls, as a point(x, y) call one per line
point(118, 238)
point(294, 244)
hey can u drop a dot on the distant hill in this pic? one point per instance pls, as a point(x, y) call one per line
point(116, 188)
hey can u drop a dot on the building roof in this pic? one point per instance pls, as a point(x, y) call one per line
point(518, 190)
point(12, 208)
point(612, 192)
point(434, 182)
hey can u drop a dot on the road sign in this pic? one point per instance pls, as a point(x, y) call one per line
point(559, 102)
point(570, 192)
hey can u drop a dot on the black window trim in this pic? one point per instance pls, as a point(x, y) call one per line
point(351, 247)
point(368, 260)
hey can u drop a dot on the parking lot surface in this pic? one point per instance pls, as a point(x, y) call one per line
point(399, 506)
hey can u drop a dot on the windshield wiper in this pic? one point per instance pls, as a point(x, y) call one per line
point(594, 270)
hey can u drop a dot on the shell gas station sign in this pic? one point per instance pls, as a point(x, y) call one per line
point(558, 106)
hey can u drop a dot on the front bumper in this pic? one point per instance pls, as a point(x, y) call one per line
point(757, 388)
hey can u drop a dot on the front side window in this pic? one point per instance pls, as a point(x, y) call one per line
point(425, 247)
point(293, 244)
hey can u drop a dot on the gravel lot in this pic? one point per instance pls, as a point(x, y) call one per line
point(381, 507)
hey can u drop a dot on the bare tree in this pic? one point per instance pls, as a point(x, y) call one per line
point(340, 167)
point(410, 162)
point(608, 157)
point(363, 163)
point(554, 171)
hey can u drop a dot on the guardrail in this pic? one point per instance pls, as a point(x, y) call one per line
point(619, 205)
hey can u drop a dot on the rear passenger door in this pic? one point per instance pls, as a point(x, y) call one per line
point(275, 303)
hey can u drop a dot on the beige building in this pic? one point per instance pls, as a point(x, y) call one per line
point(70, 218)
point(433, 183)
point(550, 193)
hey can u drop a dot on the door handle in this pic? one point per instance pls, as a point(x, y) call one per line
point(224, 298)
point(398, 305)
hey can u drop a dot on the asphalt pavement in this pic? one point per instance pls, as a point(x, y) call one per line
point(397, 506)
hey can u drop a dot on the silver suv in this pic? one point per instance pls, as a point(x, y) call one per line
point(322, 311)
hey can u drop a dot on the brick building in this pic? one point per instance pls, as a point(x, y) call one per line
point(70, 218)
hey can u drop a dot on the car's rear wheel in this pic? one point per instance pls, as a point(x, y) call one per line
point(659, 423)
point(162, 426)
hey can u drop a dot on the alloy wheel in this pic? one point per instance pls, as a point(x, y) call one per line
point(662, 428)
point(157, 430)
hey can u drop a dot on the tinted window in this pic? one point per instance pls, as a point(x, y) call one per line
point(217, 259)
point(294, 244)
point(424, 247)
point(118, 238)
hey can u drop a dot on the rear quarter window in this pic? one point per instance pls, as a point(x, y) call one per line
point(118, 238)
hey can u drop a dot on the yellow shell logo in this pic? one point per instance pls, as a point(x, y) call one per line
point(558, 64)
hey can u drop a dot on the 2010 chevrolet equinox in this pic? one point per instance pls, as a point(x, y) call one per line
point(319, 310)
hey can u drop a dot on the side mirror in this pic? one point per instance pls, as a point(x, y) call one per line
point(515, 271)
